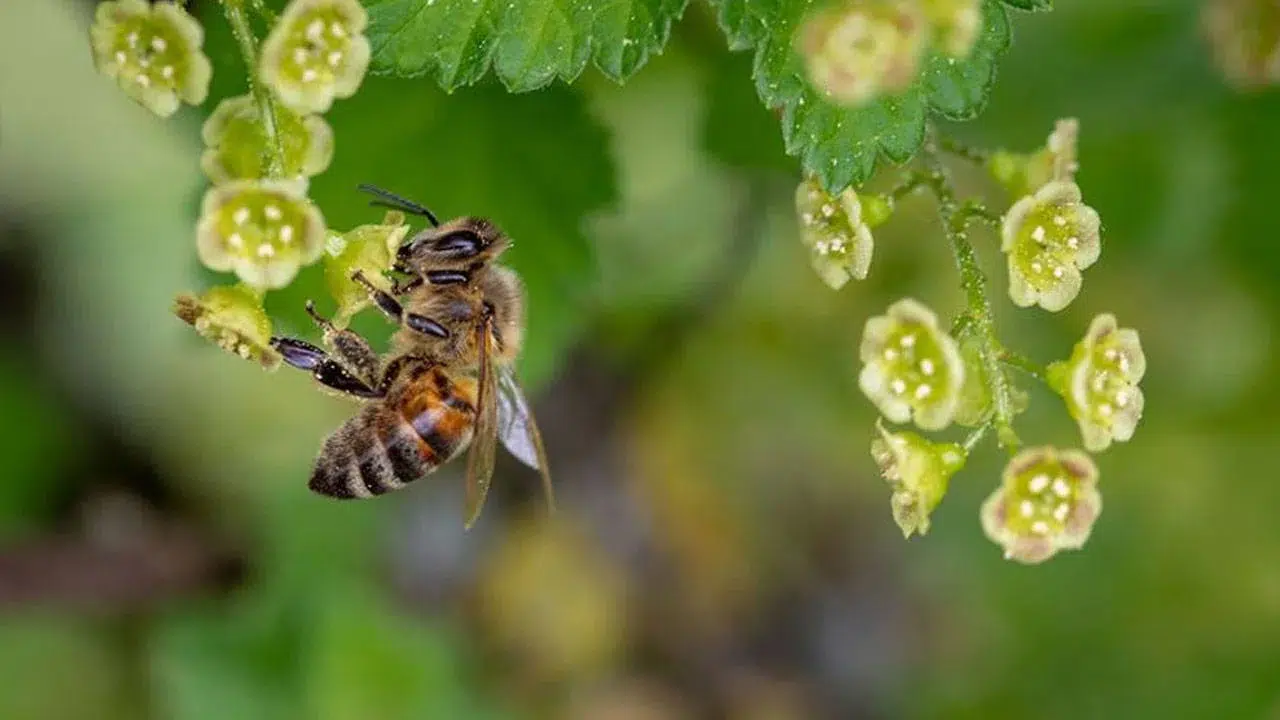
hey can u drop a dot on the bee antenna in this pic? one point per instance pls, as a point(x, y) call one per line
point(388, 199)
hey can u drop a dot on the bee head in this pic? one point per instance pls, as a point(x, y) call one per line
point(455, 245)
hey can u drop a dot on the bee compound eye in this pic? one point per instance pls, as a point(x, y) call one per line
point(460, 243)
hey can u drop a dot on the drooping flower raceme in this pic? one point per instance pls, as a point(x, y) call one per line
point(1100, 383)
point(1048, 238)
point(918, 471)
point(233, 318)
point(369, 249)
point(861, 49)
point(911, 368)
point(316, 52)
point(955, 24)
point(153, 51)
point(1048, 501)
point(837, 231)
point(236, 142)
point(263, 230)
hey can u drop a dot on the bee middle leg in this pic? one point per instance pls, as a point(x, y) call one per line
point(391, 307)
point(350, 347)
point(328, 372)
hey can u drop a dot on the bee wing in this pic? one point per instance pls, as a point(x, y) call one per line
point(485, 439)
point(519, 431)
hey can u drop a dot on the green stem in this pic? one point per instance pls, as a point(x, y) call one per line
point(975, 437)
point(955, 221)
point(974, 155)
point(239, 21)
point(263, 11)
point(1021, 362)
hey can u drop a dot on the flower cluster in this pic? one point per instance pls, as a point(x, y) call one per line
point(858, 50)
point(261, 149)
point(915, 371)
point(153, 51)
point(837, 231)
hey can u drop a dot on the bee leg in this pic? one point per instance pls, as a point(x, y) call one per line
point(349, 347)
point(393, 310)
point(385, 301)
point(305, 356)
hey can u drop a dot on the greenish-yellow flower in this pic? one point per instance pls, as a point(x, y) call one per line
point(1099, 383)
point(911, 368)
point(233, 318)
point(262, 230)
point(918, 472)
point(1048, 238)
point(1048, 501)
point(236, 145)
point(316, 52)
point(153, 52)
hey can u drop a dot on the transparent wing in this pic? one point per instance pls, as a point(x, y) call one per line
point(485, 440)
point(519, 431)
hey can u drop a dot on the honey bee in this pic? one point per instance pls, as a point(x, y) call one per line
point(448, 382)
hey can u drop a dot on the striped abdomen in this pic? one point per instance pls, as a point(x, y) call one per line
point(392, 443)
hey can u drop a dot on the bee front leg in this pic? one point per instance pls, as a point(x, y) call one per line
point(305, 356)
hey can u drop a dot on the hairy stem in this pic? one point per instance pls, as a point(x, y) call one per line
point(956, 217)
point(975, 437)
point(974, 155)
point(239, 21)
point(263, 11)
point(1021, 362)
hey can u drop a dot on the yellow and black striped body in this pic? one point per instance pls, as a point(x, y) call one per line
point(422, 423)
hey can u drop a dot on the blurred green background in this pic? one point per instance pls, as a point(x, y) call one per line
point(725, 547)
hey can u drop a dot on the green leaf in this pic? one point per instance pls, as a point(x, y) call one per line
point(536, 164)
point(841, 145)
point(1032, 5)
point(528, 43)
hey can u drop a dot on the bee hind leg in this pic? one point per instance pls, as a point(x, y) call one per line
point(305, 356)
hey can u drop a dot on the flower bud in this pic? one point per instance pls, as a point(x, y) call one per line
point(918, 471)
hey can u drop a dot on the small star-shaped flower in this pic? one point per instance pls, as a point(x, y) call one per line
point(1048, 501)
point(263, 230)
point(316, 52)
point(1100, 383)
point(1048, 238)
point(236, 143)
point(911, 368)
point(857, 51)
point(836, 232)
point(153, 52)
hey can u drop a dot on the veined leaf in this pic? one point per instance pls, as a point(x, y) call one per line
point(840, 145)
point(529, 43)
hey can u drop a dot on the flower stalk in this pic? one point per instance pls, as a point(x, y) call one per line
point(238, 19)
point(956, 217)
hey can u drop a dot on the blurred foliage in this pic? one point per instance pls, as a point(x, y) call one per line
point(726, 550)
